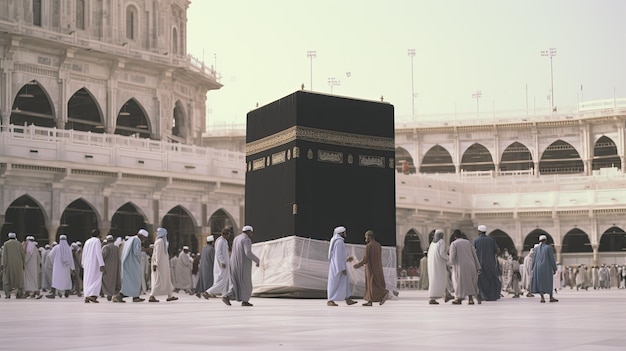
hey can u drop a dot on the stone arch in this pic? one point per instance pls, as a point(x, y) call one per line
point(174, 41)
point(132, 120)
point(32, 105)
point(412, 250)
point(181, 229)
point(613, 240)
point(605, 154)
point(84, 113)
point(219, 220)
point(477, 158)
point(533, 238)
point(437, 160)
point(77, 221)
point(576, 240)
point(561, 157)
point(132, 22)
point(504, 241)
point(127, 220)
point(404, 161)
point(516, 157)
point(25, 216)
point(179, 120)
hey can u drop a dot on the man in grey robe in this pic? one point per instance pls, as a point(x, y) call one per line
point(241, 268)
point(46, 269)
point(221, 266)
point(465, 269)
point(132, 274)
point(12, 267)
point(544, 267)
point(424, 274)
point(205, 268)
point(32, 268)
point(111, 276)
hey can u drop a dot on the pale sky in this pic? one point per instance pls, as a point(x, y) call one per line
point(260, 50)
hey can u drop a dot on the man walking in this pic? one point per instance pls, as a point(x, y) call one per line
point(12, 267)
point(111, 276)
point(338, 287)
point(205, 268)
point(438, 269)
point(221, 266)
point(465, 269)
point(544, 267)
point(375, 290)
point(241, 268)
point(160, 280)
point(487, 249)
point(93, 266)
point(132, 274)
point(62, 268)
point(32, 268)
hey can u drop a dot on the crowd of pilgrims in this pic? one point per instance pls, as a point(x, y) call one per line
point(511, 275)
point(58, 269)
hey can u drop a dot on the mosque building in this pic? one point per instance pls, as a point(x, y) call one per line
point(103, 125)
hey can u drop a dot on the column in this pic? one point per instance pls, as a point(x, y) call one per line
point(557, 248)
point(52, 233)
point(595, 248)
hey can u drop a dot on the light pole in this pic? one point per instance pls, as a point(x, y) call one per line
point(477, 95)
point(550, 53)
point(411, 54)
point(333, 82)
point(311, 55)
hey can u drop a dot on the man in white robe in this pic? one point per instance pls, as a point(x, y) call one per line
point(132, 274)
point(338, 287)
point(437, 269)
point(93, 266)
point(160, 280)
point(62, 267)
point(241, 268)
point(528, 272)
point(46, 269)
point(183, 271)
point(32, 267)
point(221, 266)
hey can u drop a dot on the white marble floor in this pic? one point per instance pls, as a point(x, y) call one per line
point(583, 320)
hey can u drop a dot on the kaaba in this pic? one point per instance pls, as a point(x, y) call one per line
point(317, 161)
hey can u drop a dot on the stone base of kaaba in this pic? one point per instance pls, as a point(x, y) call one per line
point(298, 267)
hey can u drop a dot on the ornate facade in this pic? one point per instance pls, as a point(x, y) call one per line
point(102, 116)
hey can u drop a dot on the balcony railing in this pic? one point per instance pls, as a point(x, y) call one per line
point(107, 151)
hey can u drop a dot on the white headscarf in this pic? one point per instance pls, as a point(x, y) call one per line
point(65, 252)
point(162, 233)
point(30, 244)
point(336, 236)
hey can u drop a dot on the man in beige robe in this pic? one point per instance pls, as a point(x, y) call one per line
point(375, 290)
point(160, 280)
point(465, 269)
point(12, 267)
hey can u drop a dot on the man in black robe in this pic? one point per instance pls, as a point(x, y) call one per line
point(487, 249)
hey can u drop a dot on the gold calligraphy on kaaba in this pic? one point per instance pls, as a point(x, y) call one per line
point(321, 136)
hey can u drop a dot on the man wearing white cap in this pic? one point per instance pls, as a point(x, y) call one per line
point(205, 268)
point(544, 267)
point(183, 265)
point(241, 268)
point(489, 283)
point(46, 268)
point(32, 266)
point(62, 268)
point(132, 274)
point(221, 265)
point(93, 265)
point(160, 279)
point(12, 267)
point(111, 276)
point(338, 287)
